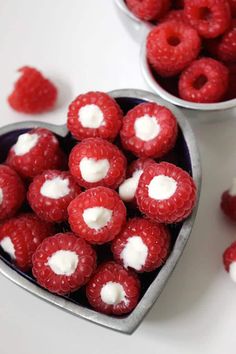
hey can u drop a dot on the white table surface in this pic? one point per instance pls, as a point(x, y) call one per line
point(86, 45)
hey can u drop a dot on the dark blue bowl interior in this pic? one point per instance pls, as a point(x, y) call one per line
point(179, 156)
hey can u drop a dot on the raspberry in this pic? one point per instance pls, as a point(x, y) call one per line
point(20, 236)
point(205, 80)
point(12, 192)
point(228, 201)
point(142, 245)
point(63, 263)
point(97, 215)
point(50, 194)
point(96, 162)
point(33, 93)
point(149, 10)
point(231, 92)
point(34, 152)
point(232, 4)
point(149, 130)
point(94, 114)
point(229, 260)
point(175, 15)
point(210, 18)
point(113, 289)
point(127, 189)
point(178, 4)
point(166, 193)
point(171, 47)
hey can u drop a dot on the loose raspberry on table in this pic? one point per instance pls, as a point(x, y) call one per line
point(204, 81)
point(32, 93)
point(143, 245)
point(63, 263)
point(149, 10)
point(166, 193)
point(171, 46)
point(96, 162)
point(113, 289)
point(210, 18)
point(12, 192)
point(94, 114)
point(229, 260)
point(228, 201)
point(149, 130)
point(97, 215)
point(50, 194)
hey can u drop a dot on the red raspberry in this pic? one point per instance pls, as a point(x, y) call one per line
point(50, 194)
point(232, 4)
point(229, 260)
point(175, 15)
point(210, 18)
point(94, 114)
point(178, 4)
point(231, 92)
point(96, 162)
point(228, 202)
point(34, 152)
point(149, 9)
point(113, 289)
point(166, 193)
point(171, 47)
point(20, 236)
point(205, 80)
point(33, 93)
point(142, 245)
point(12, 192)
point(149, 130)
point(127, 189)
point(97, 215)
point(63, 263)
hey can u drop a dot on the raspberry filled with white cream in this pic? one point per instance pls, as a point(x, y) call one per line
point(228, 201)
point(94, 114)
point(229, 260)
point(166, 193)
point(50, 194)
point(149, 130)
point(97, 215)
point(142, 245)
point(96, 162)
point(113, 289)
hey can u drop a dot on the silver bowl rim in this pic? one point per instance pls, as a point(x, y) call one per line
point(128, 324)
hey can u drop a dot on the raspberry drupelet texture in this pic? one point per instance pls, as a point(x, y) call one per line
point(142, 245)
point(34, 152)
point(94, 114)
point(113, 290)
point(205, 81)
point(166, 193)
point(149, 130)
point(96, 162)
point(228, 201)
point(171, 46)
point(50, 194)
point(63, 263)
point(229, 260)
point(32, 93)
point(210, 18)
point(175, 15)
point(12, 192)
point(20, 236)
point(97, 215)
point(149, 10)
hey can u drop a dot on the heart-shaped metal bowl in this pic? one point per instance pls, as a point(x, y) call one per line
point(185, 155)
point(151, 77)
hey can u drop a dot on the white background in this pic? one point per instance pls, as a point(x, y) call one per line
point(87, 45)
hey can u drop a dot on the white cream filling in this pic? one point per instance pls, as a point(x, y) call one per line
point(55, 188)
point(91, 116)
point(8, 247)
point(128, 188)
point(135, 253)
point(232, 190)
point(97, 217)
point(1, 195)
point(232, 271)
point(146, 128)
point(63, 262)
point(94, 170)
point(162, 187)
point(25, 143)
point(113, 293)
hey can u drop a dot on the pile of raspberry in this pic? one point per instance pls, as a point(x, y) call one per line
point(59, 207)
point(192, 47)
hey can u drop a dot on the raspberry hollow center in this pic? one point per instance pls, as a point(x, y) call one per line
point(55, 188)
point(97, 217)
point(1, 195)
point(25, 143)
point(204, 14)
point(162, 187)
point(93, 170)
point(8, 247)
point(91, 116)
point(174, 41)
point(63, 262)
point(199, 82)
point(146, 128)
point(113, 293)
point(134, 253)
